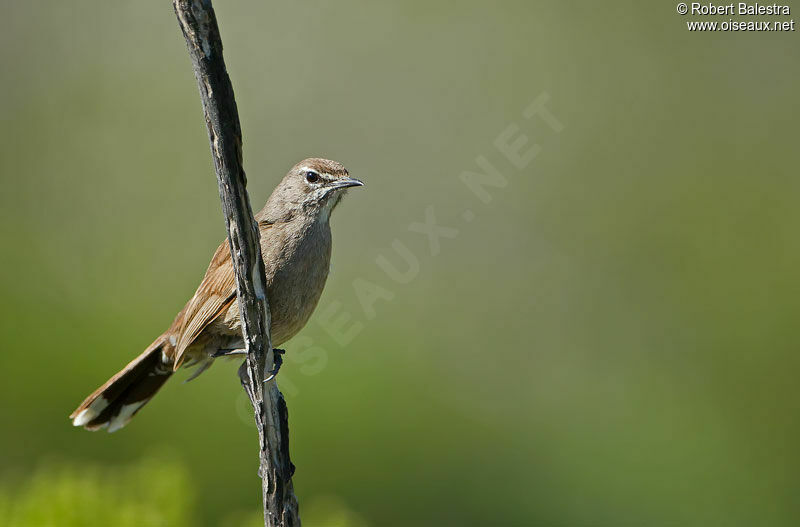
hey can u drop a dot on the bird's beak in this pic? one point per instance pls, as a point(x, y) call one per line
point(347, 182)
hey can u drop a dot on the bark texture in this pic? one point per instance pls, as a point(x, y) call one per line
point(199, 26)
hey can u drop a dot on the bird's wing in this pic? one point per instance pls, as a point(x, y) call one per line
point(215, 294)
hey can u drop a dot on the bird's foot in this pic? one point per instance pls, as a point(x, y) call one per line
point(277, 354)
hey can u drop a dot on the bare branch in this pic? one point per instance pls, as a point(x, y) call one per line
point(199, 26)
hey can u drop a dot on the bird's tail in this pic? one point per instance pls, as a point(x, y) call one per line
point(113, 404)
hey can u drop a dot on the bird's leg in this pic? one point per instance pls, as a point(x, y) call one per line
point(223, 352)
point(227, 352)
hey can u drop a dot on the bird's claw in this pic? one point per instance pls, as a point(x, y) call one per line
point(277, 354)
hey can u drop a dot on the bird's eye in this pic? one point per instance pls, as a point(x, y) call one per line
point(312, 177)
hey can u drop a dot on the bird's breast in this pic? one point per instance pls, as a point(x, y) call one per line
point(297, 260)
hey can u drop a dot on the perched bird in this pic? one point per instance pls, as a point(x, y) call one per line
point(296, 248)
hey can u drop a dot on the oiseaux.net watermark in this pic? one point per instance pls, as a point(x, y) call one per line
point(709, 17)
point(512, 150)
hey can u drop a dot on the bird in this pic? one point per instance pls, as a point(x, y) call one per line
point(295, 239)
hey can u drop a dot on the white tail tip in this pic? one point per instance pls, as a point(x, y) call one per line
point(90, 413)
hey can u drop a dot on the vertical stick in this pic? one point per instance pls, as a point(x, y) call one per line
point(199, 26)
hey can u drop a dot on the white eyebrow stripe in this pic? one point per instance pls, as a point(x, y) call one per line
point(314, 170)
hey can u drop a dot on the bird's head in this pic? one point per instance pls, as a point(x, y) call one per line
point(313, 186)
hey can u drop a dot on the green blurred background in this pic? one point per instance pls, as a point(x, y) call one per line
point(611, 341)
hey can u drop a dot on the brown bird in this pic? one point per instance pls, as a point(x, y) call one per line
point(296, 248)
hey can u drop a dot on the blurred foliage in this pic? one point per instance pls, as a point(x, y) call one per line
point(156, 493)
point(611, 341)
point(153, 492)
